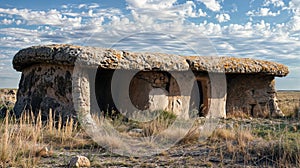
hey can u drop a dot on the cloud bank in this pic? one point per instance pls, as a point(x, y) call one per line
point(203, 27)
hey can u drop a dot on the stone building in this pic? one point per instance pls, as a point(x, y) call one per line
point(70, 78)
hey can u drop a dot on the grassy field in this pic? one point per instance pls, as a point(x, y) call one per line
point(237, 142)
point(289, 101)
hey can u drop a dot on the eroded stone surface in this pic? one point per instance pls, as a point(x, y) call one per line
point(48, 76)
point(114, 59)
point(158, 99)
point(254, 95)
point(43, 87)
point(91, 56)
point(236, 65)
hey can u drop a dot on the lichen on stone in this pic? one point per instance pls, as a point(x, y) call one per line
point(63, 54)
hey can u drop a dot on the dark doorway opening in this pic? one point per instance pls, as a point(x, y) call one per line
point(197, 97)
point(103, 91)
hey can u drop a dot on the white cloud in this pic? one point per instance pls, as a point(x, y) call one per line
point(143, 19)
point(111, 27)
point(209, 29)
point(238, 30)
point(213, 5)
point(234, 8)
point(294, 23)
point(296, 3)
point(51, 17)
point(276, 3)
point(201, 13)
point(88, 6)
point(167, 10)
point(263, 12)
point(262, 28)
point(150, 4)
point(93, 5)
point(223, 17)
point(18, 22)
point(96, 13)
point(7, 21)
point(82, 6)
point(225, 46)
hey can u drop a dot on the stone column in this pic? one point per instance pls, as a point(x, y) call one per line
point(81, 93)
point(181, 101)
point(218, 95)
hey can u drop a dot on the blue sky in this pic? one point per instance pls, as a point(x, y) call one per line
point(261, 29)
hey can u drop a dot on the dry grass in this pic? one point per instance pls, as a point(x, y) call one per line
point(238, 114)
point(289, 103)
point(22, 139)
point(223, 134)
point(19, 142)
point(160, 123)
point(280, 150)
point(235, 140)
point(191, 136)
point(64, 135)
point(156, 128)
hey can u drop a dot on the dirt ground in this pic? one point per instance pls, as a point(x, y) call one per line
point(217, 151)
point(270, 143)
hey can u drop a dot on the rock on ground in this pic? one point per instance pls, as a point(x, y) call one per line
point(79, 161)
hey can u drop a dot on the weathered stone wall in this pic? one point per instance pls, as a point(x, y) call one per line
point(143, 83)
point(147, 90)
point(46, 81)
point(43, 87)
point(50, 86)
point(252, 94)
point(160, 90)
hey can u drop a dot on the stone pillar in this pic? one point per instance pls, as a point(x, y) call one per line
point(218, 94)
point(81, 94)
point(274, 109)
point(181, 85)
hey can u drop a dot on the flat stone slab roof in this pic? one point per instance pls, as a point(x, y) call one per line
point(63, 54)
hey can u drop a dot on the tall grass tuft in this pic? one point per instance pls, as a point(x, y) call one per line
point(160, 123)
point(22, 138)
